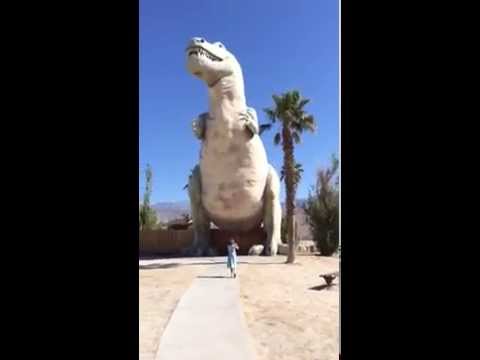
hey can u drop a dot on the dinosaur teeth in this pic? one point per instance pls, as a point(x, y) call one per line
point(202, 52)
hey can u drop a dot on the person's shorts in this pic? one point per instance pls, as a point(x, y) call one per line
point(231, 263)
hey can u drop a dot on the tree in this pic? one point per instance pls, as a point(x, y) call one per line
point(288, 111)
point(322, 208)
point(297, 173)
point(147, 215)
point(298, 170)
point(283, 231)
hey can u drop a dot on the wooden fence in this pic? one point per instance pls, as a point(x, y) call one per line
point(172, 242)
point(164, 241)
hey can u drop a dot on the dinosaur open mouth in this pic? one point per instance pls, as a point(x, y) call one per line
point(199, 51)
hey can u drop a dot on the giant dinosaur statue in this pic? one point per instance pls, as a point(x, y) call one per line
point(233, 185)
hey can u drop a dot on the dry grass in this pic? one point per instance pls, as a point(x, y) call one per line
point(288, 320)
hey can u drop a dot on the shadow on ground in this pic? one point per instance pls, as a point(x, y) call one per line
point(322, 287)
point(213, 277)
point(159, 266)
point(172, 265)
point(261, 263)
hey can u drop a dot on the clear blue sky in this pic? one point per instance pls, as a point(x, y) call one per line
point(281, 45)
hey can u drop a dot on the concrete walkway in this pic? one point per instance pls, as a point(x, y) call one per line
point(208, 322)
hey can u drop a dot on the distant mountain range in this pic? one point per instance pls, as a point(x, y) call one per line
point(167, 211)
point(171, 210)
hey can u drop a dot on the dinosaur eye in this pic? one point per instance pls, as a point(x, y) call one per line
point(220, 45)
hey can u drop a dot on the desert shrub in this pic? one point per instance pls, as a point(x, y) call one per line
point(322, 209)
point(147, 217)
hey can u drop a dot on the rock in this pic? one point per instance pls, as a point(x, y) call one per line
point(307, 243)
point(255, 250)
point(301, 249)
point(306, 246)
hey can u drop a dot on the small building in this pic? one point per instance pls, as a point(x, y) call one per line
point(179, 224)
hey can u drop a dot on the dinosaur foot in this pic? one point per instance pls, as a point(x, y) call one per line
point(270, 250)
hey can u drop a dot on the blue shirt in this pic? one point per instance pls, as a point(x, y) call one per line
point(232, 251)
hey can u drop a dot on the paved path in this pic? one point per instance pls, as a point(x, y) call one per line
point(208, 322)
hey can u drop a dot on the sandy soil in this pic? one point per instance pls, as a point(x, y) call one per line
point(160, 290)
point(288, 320)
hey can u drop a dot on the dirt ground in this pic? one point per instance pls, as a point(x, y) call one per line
point(291, 316)
point(159, 292)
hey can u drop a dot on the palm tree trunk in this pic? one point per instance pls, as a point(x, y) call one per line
point(288, 162)
point(290, 224)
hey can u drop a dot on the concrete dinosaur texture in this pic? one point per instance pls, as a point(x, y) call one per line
point(233, 185)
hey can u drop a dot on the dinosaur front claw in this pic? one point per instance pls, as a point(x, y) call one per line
point(250, 119)
point(250, 126)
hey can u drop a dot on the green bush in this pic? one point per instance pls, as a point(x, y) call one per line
point(147, 217)
point(322, 207)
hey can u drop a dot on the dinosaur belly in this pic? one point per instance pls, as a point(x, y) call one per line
point(234, 171)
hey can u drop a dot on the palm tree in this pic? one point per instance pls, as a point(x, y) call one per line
point(297, 175)
point(289, 113)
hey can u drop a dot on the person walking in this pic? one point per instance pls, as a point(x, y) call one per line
point(232, 257)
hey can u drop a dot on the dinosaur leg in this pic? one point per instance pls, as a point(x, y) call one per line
point(201, 222)
point(272, 219)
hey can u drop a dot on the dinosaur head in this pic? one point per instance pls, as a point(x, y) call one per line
point(211, 61)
